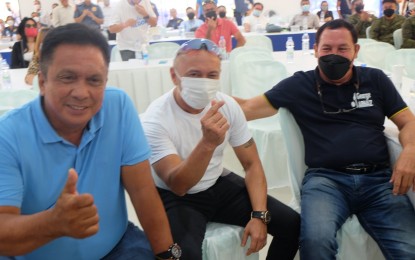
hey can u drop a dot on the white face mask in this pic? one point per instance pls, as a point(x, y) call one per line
point(198, 92)
point(411, 6)
point(10, 23)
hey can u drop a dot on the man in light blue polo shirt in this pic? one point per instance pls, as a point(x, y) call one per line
point(89, 14)
point(66, 158)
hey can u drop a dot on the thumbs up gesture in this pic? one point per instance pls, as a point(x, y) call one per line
point(75, 214)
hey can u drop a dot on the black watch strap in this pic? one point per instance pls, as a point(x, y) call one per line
point(174, 252)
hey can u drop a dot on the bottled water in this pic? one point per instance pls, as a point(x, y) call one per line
point(222, 47)
point(5, 75)
point(144, 53)
point(137, 48)
point(305, 43)
point(290, 49)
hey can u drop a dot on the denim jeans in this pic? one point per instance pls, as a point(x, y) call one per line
point(133, 245)
point(329, 197)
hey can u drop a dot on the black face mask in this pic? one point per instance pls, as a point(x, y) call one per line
point(334, 66)
point(222, 14)
point(359, 8)
point(388, 12)
point(211, 15)
point(191, 16)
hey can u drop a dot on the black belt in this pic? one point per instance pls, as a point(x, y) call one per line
point(362, 168)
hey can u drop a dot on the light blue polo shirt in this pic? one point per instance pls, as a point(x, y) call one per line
point(34, 164)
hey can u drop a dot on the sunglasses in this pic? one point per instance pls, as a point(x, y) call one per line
point(199, 44)
point(336, 110)
point(30, 25)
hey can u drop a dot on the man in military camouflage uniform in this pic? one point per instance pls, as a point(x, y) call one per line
point(361, 19)
point(382, 29)
point(408, 33)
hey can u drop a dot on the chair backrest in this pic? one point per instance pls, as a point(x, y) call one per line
point(364, 41)
point(374, 54)
point(404, 57)
point(368, 32)
point(397, 38)
point(294, 143)
point(115, 54)
point(162, 50)
point(260, 41)
point(254, 71)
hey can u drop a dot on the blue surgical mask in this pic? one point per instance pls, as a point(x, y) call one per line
point(306, 8)
point(256, 13)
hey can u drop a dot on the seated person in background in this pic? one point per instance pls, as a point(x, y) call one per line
point(61, 197)
point(187, 147)
point(33, 68)
point(222, 14)
point(22, 51)
point(214, 28)
point(324, 14)
point(340, 110)
point(305, 19)
point(361, 19)
point(382, 29)
point(408, 33)
point(256, 21)
point(9, 28)
point(193, 23)
point(174, 22)
point(199, 8)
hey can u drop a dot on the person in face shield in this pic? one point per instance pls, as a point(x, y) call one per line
point(256, 21)
point(360, 19)
point(340, 109)
point(188, 129)
point(215, 27)
point(382, 29)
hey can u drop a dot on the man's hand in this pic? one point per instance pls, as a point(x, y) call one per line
point(403, 176)
point(211, 23)
point(364, 16)
point(75, 214)
point(257, 230)
point(129, 22)
point(214, 125)
point(141, 10)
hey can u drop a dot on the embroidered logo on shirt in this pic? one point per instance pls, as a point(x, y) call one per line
point(364, 100)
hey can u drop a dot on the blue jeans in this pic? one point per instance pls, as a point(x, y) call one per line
point(329, 197)
point(133, 245)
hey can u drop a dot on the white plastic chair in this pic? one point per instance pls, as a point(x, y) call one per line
point(404, 57)
point(253, 71)
point(162, 50)
point(368, 32)
point(260, 41)
point(374, 54)
point(223, 242)
point(353, 241)
point(364, 41)
point(115, 54)
point(397, 38)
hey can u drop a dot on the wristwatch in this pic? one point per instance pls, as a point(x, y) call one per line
point(265, 216)
point(174, 252)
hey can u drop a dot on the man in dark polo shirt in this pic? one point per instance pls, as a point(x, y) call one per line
point(341, 109)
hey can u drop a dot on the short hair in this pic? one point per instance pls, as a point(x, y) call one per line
point(389, 1)
point(258, 3)
point(71, 34)
point(336, 24)
point(208, 2)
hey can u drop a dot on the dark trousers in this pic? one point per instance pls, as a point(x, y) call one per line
point(227, 202)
